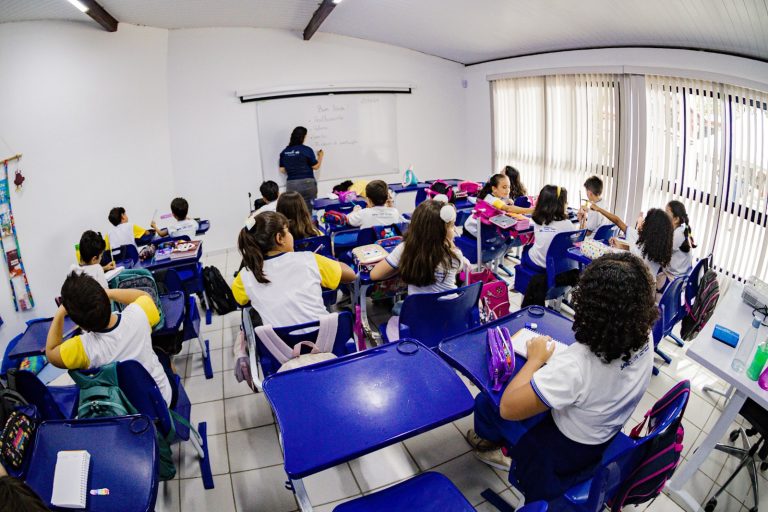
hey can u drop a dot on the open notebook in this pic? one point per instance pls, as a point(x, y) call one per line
point(70, 479)
point(520, 342)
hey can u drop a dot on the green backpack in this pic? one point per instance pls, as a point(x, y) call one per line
point(140, 279)
point(101, 396)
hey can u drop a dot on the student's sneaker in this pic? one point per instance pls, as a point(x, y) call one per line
point(495, 458)
point(480, 444)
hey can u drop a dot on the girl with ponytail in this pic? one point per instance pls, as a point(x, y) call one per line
point(495, 192)
point(283, 286)
point(682, 240)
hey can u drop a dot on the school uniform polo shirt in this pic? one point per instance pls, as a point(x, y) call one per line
point(595, 219)
point(95, 271)
point(294, 293)
point(445, 278)
point(591, 400)
point(124, 234)
point(298, 162)
point(186, 227)
point(374, 216)
point(129, 339)
point(681, 261)
point(543, 236)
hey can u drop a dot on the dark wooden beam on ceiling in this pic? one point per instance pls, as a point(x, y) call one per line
point(100, 16)
point(318, 18)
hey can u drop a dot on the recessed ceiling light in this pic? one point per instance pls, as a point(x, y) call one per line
point(80, 5)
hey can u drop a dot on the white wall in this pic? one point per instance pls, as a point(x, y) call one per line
point(214, 138)
point(88, 110)
point(692, 64)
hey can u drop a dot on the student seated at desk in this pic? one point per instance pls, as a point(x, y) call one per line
point(495, 193)
point(283, 286)
point(378, 212)
point(516, 187)
point(122, 233)
point(586, 393)
point(107, 336)
point(591, 220)
point(550, 217)
point(16, 496)
point(300, 223)
point(91, 249)
point(269, 194)
point(183, 225)
point(650, 239)
point(682, 241)
point(428, 260)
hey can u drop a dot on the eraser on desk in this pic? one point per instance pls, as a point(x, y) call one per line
point(727, 336)
point(531, 326)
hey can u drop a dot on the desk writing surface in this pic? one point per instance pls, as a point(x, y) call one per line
point(362, 402)
point(32, 343)
point(733, 313)
point(169, 263)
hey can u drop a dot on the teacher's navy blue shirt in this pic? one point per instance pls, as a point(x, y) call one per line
point(298, 162)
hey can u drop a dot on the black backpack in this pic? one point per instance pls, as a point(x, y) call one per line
point(219, 295)
point(703, 305)
point(10, 399)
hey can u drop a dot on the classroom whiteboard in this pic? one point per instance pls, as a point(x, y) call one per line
point(357, 131)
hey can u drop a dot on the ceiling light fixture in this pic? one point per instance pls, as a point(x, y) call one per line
point(337, 1)
point(80, 5)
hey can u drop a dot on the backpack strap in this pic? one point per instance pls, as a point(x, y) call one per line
point(104, 376)
point(669, 397)
point(273, 343)
point(326, 335)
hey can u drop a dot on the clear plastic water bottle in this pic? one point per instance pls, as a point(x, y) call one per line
point(745, 348)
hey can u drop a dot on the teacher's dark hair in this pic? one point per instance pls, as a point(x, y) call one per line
point(297, 136)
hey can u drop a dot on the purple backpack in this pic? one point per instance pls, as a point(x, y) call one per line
point(501, 357)
point(660, 456)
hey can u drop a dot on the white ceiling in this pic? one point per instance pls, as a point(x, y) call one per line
point(465, 31)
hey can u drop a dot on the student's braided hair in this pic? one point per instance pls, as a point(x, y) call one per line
point(678, 210)
point(256, 241)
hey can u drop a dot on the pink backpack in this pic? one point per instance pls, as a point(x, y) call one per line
point(470, 187)
point(494, 297)
point(440, 187)
point(347, 196)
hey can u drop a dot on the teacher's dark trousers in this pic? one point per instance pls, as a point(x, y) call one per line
point(307, 187)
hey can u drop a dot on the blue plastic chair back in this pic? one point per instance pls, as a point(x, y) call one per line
point(8, 362)
point(421, 196)
point(316, 244)
point(291, 335)
point(606, 232)
point(522, 202)
point(692, 282)
point(669, 309)
point(557, 255)
point(202, 227)
point(494, 244)
point(345, 241)
point(53, 403)
point(619, 461)
point(433, 317)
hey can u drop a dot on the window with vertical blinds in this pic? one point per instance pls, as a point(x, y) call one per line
point(558, 129)
point(705, 146)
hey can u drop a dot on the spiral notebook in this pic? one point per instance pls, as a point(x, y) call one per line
point(70, 479)
point(520, 342)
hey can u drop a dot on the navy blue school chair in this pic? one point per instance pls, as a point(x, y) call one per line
point(31, 341)
point(126, 256)
point(557, 263)
point(421, 196)
point(690, 290)
point(317, 244)
point(620, 460)
point(8, 362)
point(522, 202)
point(493, 246)
point(432, 317)
point(605, 232)
point(123, 459)
point(291, 335)
point(345, 241)
point(142, 392)
point(669, 315)
point(203, 226)
point(52, 402)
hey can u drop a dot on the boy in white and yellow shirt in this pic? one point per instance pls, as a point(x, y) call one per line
point(122, 233)
point(106, 336)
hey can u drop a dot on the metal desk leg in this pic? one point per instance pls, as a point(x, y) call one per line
point(301, 495)
point(681, 477)
point(363, 291)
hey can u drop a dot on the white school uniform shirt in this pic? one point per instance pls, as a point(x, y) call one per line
point(95, 271)
point(595, 219)
point(122, 234)
point(374, 216)
point(681, 262)
point(129, 339)
point(269, 207)
point(186, 227)
point(471, 223)
point(591, 400)
point(634, 248)
point(445, 278)
point(294, 293)
point(543, 235)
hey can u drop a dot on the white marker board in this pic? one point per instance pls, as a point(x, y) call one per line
point(358, 133)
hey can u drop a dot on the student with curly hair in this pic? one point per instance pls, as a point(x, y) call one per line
point(650, 239)
point(587, 392)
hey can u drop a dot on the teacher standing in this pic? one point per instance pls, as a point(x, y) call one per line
point(299, 163)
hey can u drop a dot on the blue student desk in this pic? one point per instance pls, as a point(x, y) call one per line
point(123, 459)
point(467, 352)
point(153, 265)
point(342, 409)
point(398, 188)
point(32, 342)
point(575, 253)
point(326, 203)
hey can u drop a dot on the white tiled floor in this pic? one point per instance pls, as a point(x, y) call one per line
point(247, 460)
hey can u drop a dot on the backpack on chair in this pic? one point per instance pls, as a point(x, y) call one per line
point(218, 292)
point(140, 279)
point(703, 305)
point(291, 357)
point(440, 187)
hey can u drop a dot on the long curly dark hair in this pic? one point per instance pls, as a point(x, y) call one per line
point(615, 306)
point(655, 237)
point(426, 245)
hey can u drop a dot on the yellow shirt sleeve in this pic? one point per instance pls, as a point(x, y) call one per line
point(498, 204)
point(330, 272)
point(238, 291)
point(147, 305)
point(73, 354)
point(138, 231)
point(107, 247)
